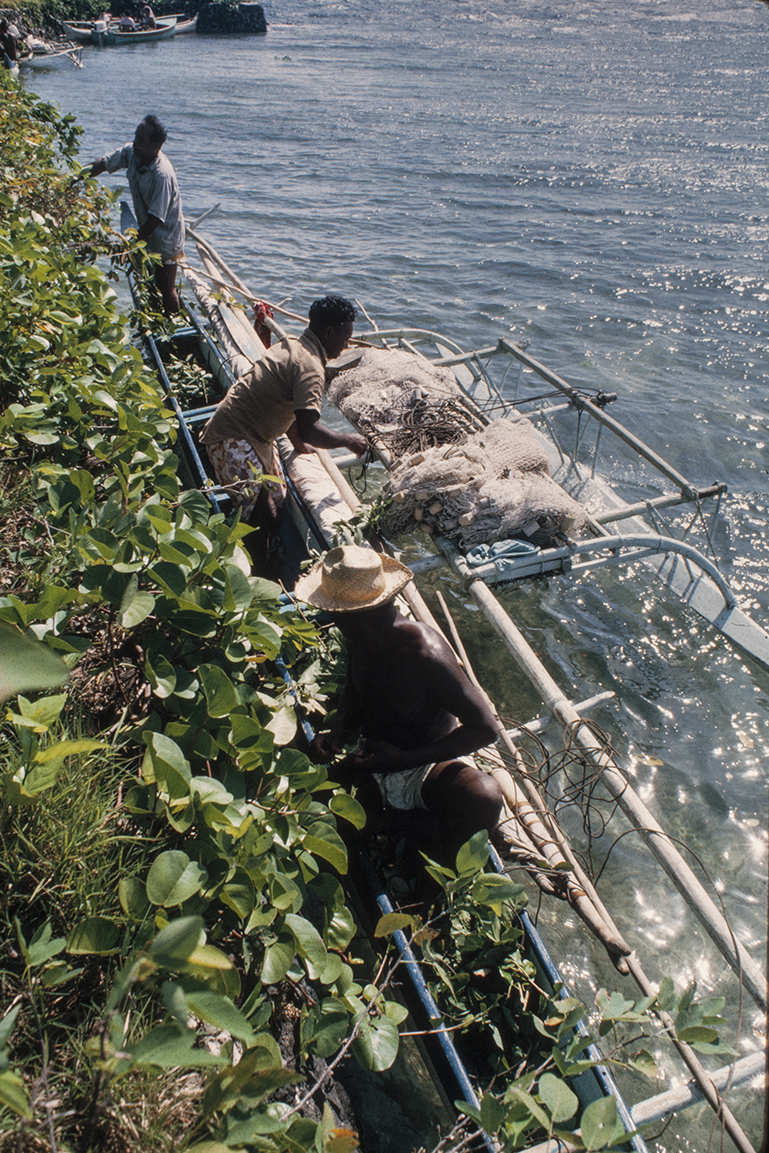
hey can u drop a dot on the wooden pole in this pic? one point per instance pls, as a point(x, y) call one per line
point(639, 815)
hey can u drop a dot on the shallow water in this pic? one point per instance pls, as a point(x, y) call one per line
point(593, 180)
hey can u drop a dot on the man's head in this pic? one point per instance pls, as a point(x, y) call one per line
point(351, 579)
point(331, 319)
point(3, 26)
point(149, 138)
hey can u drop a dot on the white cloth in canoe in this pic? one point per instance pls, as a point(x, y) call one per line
point(315, 487)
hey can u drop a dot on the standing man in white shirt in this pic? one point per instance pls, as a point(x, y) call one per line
point(156, 200)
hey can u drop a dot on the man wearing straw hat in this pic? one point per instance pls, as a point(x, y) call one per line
point(418, 714)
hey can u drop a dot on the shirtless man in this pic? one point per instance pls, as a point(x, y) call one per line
point(418, 714)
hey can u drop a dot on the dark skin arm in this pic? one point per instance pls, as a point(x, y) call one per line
point(149, 226)
point(310, 431)
point(470, 722)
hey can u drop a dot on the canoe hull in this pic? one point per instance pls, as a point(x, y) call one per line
point(88, 32)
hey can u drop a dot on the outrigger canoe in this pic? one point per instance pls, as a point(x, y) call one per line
point(220, 335)
point(45, 54)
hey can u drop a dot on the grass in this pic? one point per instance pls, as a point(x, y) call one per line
point(61, 858)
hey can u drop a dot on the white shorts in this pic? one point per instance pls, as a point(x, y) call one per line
point(403, 790)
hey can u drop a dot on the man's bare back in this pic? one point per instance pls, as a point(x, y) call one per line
point(416, 712)
point(414, 702)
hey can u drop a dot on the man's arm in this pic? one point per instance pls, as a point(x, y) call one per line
point(110, 163)
point(149, 226)
point(312, 432)
point(95, 168)
point(449, 688)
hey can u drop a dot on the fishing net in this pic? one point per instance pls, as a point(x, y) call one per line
point(405, 401)
point(469, 481)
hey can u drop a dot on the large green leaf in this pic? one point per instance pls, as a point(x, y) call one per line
point(221, 695)
point(135, 605)
point(133, 898)
point(376, 1045)
point(7, 1024)
point(13, 1094)
point(220, 1012)
point(309, 942)
point(173, 878)
point(282, 725)
point(557, 1097)
point(325, 842)
point(161, 675)
point(165, 763)
point(238, 593)
point(343, 805)
point(175, 944)
point(278, 958)
point(601, 1127)
point(44, 711)
point(94, 935)
point(26, 663)
point(492, 1113)
point(43, 946)
point(391, 922)
point(168, 1047)
point(473, 854)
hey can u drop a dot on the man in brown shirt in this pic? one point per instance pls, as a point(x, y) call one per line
point(282, 393)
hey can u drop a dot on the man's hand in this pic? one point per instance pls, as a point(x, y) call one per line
point(323, 748)
point(356, 443)
point(382, 757)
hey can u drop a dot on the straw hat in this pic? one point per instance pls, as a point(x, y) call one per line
point(350, 578)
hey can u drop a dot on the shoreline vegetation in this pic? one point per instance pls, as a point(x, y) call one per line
point(43, 17)
point(181, 967)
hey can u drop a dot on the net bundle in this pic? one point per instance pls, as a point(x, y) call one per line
point(405, 401)
point(469, 481)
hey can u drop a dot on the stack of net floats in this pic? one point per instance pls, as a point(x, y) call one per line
point(452, 473)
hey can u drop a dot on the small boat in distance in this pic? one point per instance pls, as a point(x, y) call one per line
point(109, 33)
point(184, 23)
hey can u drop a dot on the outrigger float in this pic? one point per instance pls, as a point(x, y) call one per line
point(220, 335)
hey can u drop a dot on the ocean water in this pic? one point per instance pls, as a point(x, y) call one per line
point(594, 180)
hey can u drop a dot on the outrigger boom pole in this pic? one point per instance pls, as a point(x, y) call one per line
point(639, 815)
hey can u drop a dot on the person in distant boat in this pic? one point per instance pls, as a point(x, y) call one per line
point(417, 712)
point(9, 50)
point(147, 18)
point(156, 200)
point(126, 23)
point(282, 393)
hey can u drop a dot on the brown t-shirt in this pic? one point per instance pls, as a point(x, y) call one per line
point(261, 405)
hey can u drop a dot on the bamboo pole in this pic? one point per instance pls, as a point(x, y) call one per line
point(598, 414)
point(234, 282)
point(544, 831)
point(636, 811)
point(633, 966)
